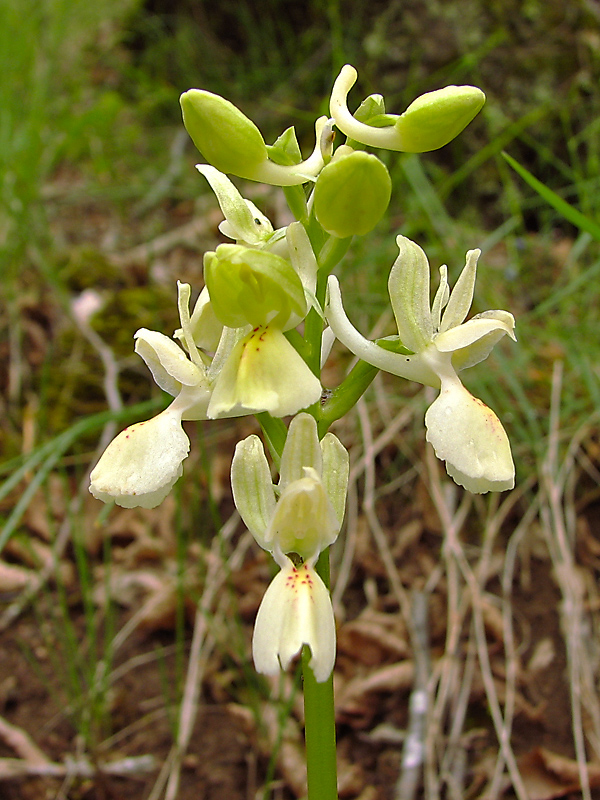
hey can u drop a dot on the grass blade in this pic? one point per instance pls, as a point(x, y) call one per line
point(566, 210)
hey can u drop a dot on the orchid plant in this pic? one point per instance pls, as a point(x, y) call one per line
point(260, 330)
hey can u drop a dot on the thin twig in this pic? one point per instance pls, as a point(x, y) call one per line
point(560, 542)
point(371, 514)
point(452, 543)
point(22, 744)
point(11, 768)
point(414, 745)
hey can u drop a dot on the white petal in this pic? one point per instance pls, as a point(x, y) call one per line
point(296, 610)
point(239, 215)
point(304, 521)
point(469, 437)
point(206, 328)
point(169, 365)
point(302, 257)
point(462, 294)
point(441, 298)
point(326, 344)
point(140, 466)
point(261, 226)
point(229, 338)
point(264, 373)
point(480, 350)
point(184, 293)
point(408, 286)
point(336, 468)
point(470, 332)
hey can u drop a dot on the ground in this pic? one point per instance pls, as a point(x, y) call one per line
point(235, 732)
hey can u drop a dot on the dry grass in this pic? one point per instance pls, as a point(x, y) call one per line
point(440, 665)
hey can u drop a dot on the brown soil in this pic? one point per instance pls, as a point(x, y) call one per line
point(229, 750)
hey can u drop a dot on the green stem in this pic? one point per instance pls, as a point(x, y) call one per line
point(296, 200)
point(313, 333)
point(275, 433)
point(319, 721)
point(346, 395)
point(332, 253)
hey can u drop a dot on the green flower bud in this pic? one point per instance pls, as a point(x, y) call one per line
point(351, 194)
point(435, 118)
point(232, 143)
point(430, 122)
point(224, 135)
point(253, 287)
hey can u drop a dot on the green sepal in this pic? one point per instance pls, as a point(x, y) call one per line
point(372, 107)
point(285, 150)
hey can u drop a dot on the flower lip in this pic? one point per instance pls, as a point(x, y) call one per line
point(263, 373)
point(469, 437)
point(295, 611)
point(140, 466)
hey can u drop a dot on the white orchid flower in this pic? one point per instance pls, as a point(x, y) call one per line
point(262, 295)
point(301, 516)
point(436, 344)
point(141, 465)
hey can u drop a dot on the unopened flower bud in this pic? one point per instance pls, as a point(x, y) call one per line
point(435, 118)
point(430, 122)
point(222, 133)
point(232, 143)
point(253, 287)
point(351, 194)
